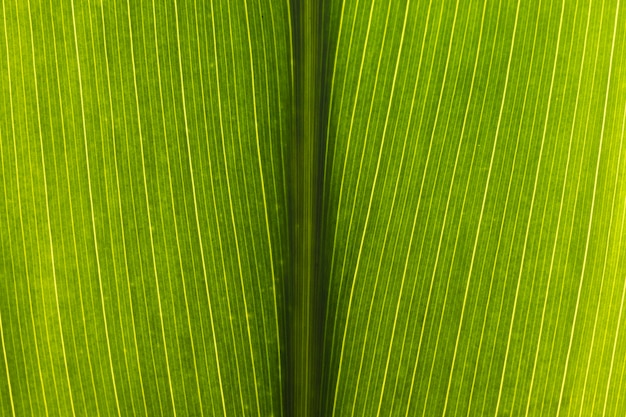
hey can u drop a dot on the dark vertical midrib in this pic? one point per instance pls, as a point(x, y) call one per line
point(305, 283)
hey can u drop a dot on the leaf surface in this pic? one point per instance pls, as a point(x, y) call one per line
point(144, 217)
point(474, 209)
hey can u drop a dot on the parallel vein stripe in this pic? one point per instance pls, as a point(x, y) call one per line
point(521, 268)
point(366, 136)
point(341, 188)
point(258, 151)
point(49, 223)
point(222, 136)
point(23, 235)
point(73, 218)
point(93, 221)
point(593, 203)
point(493, 152)
point(621, 308)
point(461, 137)
point(6, 366)
point(123, 239)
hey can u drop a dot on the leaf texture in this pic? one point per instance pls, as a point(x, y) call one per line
point(144, 226)
point(475, 208)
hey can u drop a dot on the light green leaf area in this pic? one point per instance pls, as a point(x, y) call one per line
point(144, 234)
point(471, 262)
point(475, 209)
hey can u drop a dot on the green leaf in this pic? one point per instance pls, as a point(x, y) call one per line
point(475, 209)
point(145, 236)
point(312, 208)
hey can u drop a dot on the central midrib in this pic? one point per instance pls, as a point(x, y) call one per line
point(306, 282)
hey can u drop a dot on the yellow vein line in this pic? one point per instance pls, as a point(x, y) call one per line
point(230, 202)
point(4, 177)
point(119, 196)
point(486, 307)
point(6, 362)
point(589, 112)
point(148, 68)
point(36, 219)
point(480, 283)
point(538, 238)
point(532, 206)
point(326, 365)
point(372, 193)
point(282, 144)
point(161, 218)
point(265, 211)
point(408, 252)
point(332, 87)
point(213, 263)
point(558, 227)
point(398, 178)
point(221, 123)
point(85, 248)
point(493, 152)
point(105, 175)
point(193, 181)
point(281, 124)
point(619, 249)
point(445, 217)
point(332, 84)
point(45, 185)
point(341, 187)
point(582, 167)
point(245, 205)
point(6, 367)
point(593, 202)
point(366, 135)
point(189, 34)
point(56, 161)
point(572, 237)
point(519, 203)
point(112, 115)
point(404, 206)
point(510, 184)
point(76, 157)
point(17, 175)
point(143, 53)
point(194, 191)
point(215, 211)
point(489, 234)
point(467, 187)
point(604, 268)
point(71, 209)
point(89, 33)
point(327, 161)
point(145, 187)
point(93, 221)
point(390, 217)
point(575, 193)
point(598, 304)
point(462, 135)
point(19, 201)
point(180, 259)
point(419, 199)
point(417, 211)
point(276, 206)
